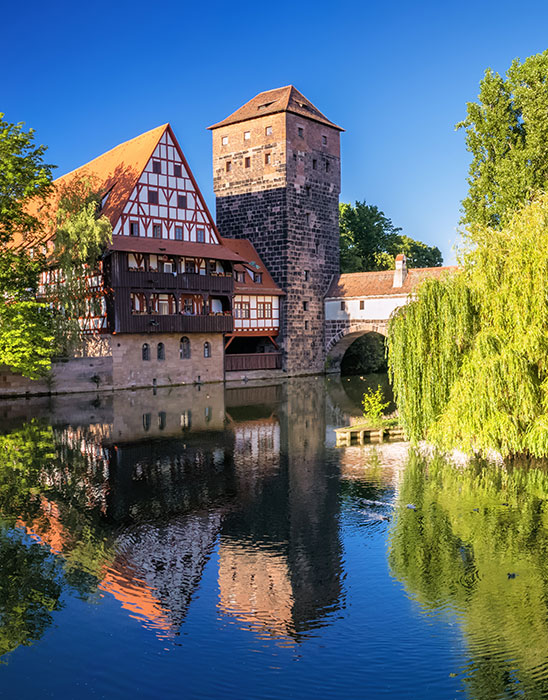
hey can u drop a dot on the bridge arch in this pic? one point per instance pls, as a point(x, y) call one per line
point(341, 339)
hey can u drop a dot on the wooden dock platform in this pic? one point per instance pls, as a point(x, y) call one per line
point(361, 435)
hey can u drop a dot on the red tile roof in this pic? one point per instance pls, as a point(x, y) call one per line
point(284, 99)
point(358, 284)
point(245, 249)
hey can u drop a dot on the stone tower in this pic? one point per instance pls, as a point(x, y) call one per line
point(276, 176)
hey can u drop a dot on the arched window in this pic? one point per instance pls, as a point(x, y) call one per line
point(145, 352)
point(184, 348)
point(161, 352)
point(207, 350)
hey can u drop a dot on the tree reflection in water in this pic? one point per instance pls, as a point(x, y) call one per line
point(472, 530)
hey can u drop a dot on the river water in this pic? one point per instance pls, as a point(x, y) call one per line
point(210, 542)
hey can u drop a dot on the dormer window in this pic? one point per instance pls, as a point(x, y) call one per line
point(157, 167)
point(258, 277)
point(240, 276)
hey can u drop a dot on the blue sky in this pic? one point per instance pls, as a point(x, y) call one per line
point(396, 76)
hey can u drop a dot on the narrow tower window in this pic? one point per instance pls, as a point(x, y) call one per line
point(300, 131)
point(268, 131)
point(248, 162)
point(224, 141)
point(228, 166)
point(267, 158)
point(247, 135)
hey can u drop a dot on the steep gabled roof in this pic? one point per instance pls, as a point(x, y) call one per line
point(284, 99)
point(359, 284)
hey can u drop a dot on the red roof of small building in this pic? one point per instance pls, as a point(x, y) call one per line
point(246, 251)
point(359, 284)
point(133, 244)
point(284, 99)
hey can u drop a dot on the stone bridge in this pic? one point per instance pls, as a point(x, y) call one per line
point(363, 302)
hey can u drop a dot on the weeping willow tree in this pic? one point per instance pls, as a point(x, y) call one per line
point(469, 357)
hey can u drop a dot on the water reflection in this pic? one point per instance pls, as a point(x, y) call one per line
point(476, 546)
point(131, 494)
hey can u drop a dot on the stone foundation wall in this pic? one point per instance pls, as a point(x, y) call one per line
point(130, 370)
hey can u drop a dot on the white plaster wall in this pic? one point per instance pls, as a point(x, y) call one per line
point(375, 308)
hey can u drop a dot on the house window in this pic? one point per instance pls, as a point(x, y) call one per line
point(207, 349)
point(145, 352)
point(161, 352)
point(305, 306)
point(184, 348)
point(314, 163)
point(134, 228)
point(268, 131)
point(362, 305)
point(200, 235)
point(157, 167)
point(342, 305)
point(300, 131)
point(188, 306)
point(166, 304)
point(267, 158)
point(178, 233)
point(224, 141)
point(177, 171)
point(190, 267)
point(247, 135)
point(181, 201)
point(228, 166)
point(264, 309)
point(186, 419)
point(138, 303)
point(153, 196)
point(156, 230)
point(306, 274)
point(247, 162)
point(241, 309)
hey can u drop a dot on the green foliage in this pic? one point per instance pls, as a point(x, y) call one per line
point(81, 236)
point(23, 177)
point(472, 527)
point(370, 241)
point(507, 134)
point(26, 338)
point(373, 405)
point(469, 358)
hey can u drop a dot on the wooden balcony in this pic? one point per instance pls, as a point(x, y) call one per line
point(169, 281)
point(174, 323)
point(252, 361)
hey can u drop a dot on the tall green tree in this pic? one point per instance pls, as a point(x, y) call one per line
point(370, 241)
point(507, 135)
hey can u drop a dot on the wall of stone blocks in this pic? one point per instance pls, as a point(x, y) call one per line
point(130, 370)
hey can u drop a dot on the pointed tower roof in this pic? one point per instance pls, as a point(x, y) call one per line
point(284, 99)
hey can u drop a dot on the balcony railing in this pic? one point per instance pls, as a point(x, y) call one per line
point(252, 361)
point(168, 280)
point(175, 323)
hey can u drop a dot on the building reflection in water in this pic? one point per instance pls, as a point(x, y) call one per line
point(162, 479)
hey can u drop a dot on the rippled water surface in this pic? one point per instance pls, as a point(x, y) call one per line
point(206, 542)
